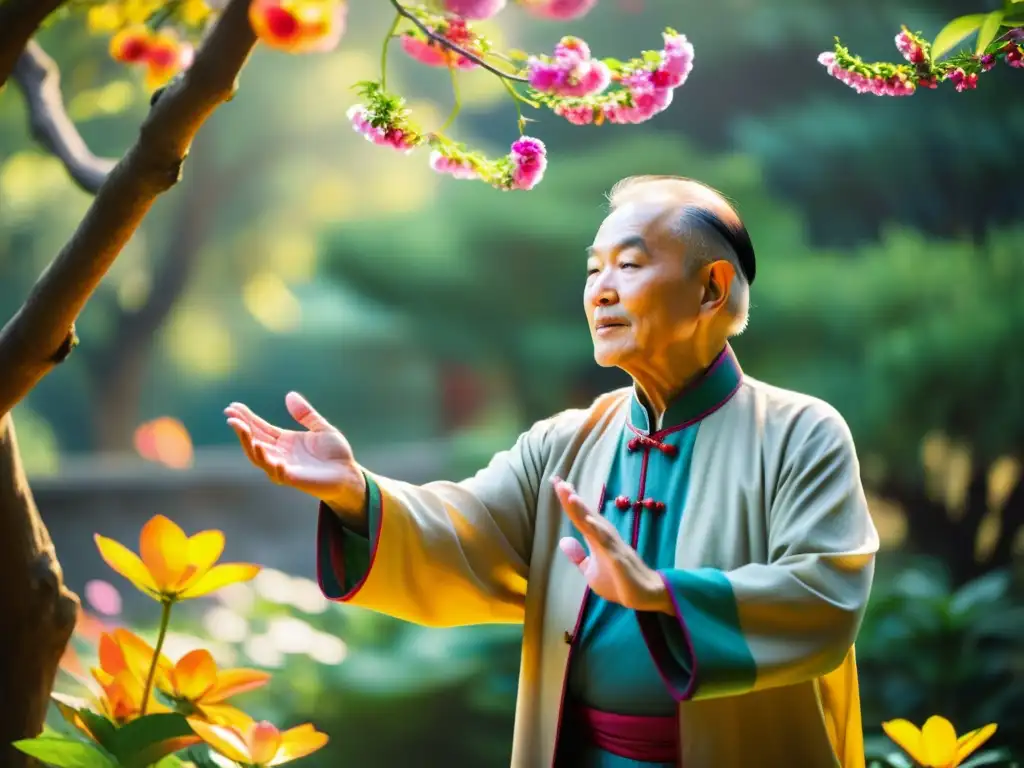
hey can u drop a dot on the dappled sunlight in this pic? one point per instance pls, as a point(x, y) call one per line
point(271, 302)
point(200, 343)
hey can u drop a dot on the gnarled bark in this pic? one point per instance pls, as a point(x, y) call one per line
point(38, 610)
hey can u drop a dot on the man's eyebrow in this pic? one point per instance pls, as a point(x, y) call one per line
point(636, 241)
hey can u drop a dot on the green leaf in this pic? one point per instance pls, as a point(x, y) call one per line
point(989, 758)
point(954, 32)
point(988, 31)
point(64, 753)
point(982, 592)
point(146, 740)
point(100, 727)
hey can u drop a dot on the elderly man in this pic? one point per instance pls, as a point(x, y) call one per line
point(691, 556)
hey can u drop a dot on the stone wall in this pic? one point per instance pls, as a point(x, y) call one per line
point(264, 523)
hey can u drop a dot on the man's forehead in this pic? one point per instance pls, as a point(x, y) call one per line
point(634, 220)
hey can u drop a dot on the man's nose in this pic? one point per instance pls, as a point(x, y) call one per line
point(602, 292)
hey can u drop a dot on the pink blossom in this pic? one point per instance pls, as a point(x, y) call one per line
point(529, 161)
point(676, 61)
point(460, 169)
point(397, 138)
point(897, 85)
point(577, 114)
point(987, 62)
point(562, 10)
point(911, 51)
point(571, 72)
point(962, 80)
point(474, 9)
point(1014, 56)
point(432, 54)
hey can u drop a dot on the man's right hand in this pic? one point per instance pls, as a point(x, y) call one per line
point(317, 460)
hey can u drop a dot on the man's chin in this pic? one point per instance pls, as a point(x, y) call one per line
point(608, 358)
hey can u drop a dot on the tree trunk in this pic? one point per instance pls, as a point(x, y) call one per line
point(38, 611)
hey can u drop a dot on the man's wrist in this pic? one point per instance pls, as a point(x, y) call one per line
point(659, 599)
point(348, 503)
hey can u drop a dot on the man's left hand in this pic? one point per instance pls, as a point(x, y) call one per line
point(613, 569)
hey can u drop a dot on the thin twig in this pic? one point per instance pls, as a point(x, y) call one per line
point(443, 41)
point(38, 77)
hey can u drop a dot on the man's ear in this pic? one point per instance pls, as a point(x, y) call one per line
point(718, 278)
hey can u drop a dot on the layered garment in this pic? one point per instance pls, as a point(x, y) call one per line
point(746, 499)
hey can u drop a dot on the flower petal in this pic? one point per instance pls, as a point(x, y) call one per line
point(125, 562)
point(194, 674)
point(231, 682)
point(138, 655)
point(220, 576)
point(907, 737)
point(204, 549)
point(969, 742)
point(226, 715)
point(111, 657)
point(264, 741)
point(163, 547)
point(226, 741)
point(298, 742)
point(938, 741)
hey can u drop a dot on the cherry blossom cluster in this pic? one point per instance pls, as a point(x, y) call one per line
point(921, 70)
point(385, 121)
point(571, 83)
point(585, 91)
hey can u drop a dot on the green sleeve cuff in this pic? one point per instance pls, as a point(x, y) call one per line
point(701, 651)
point(343, 556)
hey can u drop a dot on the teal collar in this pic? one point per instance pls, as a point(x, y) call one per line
point(702, 397)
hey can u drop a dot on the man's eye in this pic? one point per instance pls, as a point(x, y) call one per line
point(627, 264)
point(592, 272)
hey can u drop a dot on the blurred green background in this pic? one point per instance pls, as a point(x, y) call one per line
point(435, 319)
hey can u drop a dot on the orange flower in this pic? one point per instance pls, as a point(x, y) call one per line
point(131, 44)
point(124, 663)
point(298, 26)
point(936, 744)
point(195, 680)
point(174, 566)
point(260, 743)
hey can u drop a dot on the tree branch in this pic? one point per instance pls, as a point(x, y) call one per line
point(19, 20)
point(41, 334)
point(446, 43)
point(38, 77)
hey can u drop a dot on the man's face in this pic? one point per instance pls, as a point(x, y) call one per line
point(640, 299)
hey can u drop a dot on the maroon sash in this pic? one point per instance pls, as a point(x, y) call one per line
point(634, 737)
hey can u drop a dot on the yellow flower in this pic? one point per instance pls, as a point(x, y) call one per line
point(260, 743)
point(174, 566)
point(195, 680)
point(138, 11)
point(107, 17)
point(194, 12)
point(936, 745)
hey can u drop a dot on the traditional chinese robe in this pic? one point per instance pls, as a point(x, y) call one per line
point(746, 498)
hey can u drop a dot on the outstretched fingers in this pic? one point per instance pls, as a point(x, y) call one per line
point(260, 427)
point(303, 412)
